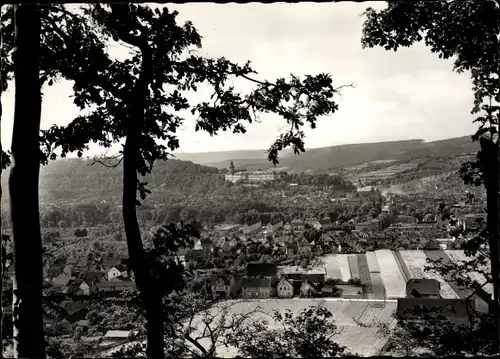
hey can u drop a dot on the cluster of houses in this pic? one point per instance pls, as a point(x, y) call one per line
point(267, 280)
point(284, 244)
point(286, 238)
point(296, 225)
point(75, 278)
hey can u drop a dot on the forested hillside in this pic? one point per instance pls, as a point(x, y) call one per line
point(78, 180)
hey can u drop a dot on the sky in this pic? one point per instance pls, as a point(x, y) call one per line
point(407, 94)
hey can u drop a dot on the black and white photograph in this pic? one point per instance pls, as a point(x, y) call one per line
point(250, 180)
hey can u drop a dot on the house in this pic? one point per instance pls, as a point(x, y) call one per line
point(256, 288)
point(68, 270)
point(92, 278)
point(220, 285)
point(350, 291)
point(117, 271)
point(285, 289)
point(62, 280)
point(206, 244)
point(265, 270)
point(297, 225)
point(197, 244)
point(325, 222)
point(283, 240)
point(251, 229)
point(304, 246)
point(109, 261)
point(315, 224)
point(402, 219)
point(291, 248)
point(114, 286)
point(314, 277)
point(454, 310)
point(54, 271)
point(83, 323)
point(193, 257)
point(473, 221)
point(366, 189)
point(423, 288)
point(76, 316)
point(307, 288)
point(71, 261)
point(70, 307)
point(369, 226)
point(482, 300)
point(82, 263)
point(271, 228)
point(85, 288)
point(225, 228)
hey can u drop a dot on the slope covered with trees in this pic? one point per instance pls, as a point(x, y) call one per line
point(79, 180)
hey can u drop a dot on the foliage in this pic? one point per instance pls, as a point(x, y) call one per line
point(434, 335)
point(306, 334)
point(200, 328)
point(5, 160)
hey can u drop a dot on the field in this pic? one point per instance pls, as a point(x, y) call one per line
point(353, 266)
point(364, 274)
point(412, 265)
point(386, 271)
point(360, 340)
point(371, 260)
point(387, 172)
point(405, 272)
point(395, 285)
point(332, 267)
point(344, 267)
point(377, 285)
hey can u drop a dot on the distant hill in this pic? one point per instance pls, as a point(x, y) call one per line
point(327, 158)
point(76, 180)
point(206, 158)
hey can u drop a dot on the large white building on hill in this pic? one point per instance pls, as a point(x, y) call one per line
point(251, 176)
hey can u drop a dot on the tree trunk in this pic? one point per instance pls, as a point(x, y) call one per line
point(138, 263)
point(28, 328)
point(490, 160)
point(151, 297)
point(1, 170)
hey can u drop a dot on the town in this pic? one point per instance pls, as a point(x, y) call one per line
point(366, 244)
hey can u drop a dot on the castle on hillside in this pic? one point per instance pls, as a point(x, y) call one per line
point(251, 176)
